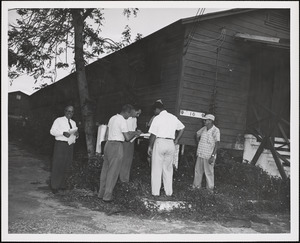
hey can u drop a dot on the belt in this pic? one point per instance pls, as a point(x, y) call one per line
point(115, 141)
point(167, 138)
point(61, 141)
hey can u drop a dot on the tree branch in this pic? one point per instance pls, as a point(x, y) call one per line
point(87, 13)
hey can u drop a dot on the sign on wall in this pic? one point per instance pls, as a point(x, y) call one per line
point(192, 113)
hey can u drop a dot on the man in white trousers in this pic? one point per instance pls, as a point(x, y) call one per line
point(162, 147)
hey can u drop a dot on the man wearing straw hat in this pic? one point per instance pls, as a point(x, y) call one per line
point(208, 141)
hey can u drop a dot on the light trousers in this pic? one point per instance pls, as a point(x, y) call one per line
point(203, 167)
point(162, 166)
point(128, 151)
point(113, 154)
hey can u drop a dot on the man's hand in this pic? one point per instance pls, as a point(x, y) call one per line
point(76, 134)
point(211, 160)
point(138, 133)
point(149, 151)
point(66, 134)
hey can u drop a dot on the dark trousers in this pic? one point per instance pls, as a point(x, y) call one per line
point(61, 163)
point(113, 155)
point(128, 151)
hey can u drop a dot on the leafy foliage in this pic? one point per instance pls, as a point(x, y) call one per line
point(42, 35)
point(240, 189)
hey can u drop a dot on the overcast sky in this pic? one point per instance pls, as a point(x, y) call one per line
point(153, 16)
point(147, 23)
point(148, 20)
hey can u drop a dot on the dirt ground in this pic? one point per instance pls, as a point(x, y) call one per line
point(34, 210)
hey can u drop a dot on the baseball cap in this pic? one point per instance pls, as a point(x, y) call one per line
point(209, 116)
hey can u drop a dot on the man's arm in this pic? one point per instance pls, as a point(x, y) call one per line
point(106, 134)
point(198, 134)
point(55, 131)
point(151, 143)
point(214, 153)
point(180, 132)
point(129, 135)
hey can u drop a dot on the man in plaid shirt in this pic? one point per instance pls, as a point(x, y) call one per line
point(208, 141)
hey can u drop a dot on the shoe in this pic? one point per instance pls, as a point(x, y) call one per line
point(107, 201)
point(210, 191)
point(192, 188)
point(160, 198)
point(169, 198)
point(54, 191)
point(155, 197)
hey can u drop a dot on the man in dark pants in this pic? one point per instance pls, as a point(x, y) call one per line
point(117, 132)
point(128, 147)
point(64, 130)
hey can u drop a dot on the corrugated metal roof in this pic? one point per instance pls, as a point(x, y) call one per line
point(217, 14)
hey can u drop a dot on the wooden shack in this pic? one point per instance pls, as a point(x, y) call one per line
point(234, 64)
point(18, 104)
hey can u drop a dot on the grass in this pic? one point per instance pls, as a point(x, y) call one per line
point(241, 190)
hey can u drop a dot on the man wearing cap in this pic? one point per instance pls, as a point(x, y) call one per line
point(208, 138)
point(162, 147)
point(149, 123)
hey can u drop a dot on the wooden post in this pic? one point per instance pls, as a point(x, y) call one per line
point(277, 161)
point(283, 134)
point(182, 150)
point(259, 150)
point(282, 158)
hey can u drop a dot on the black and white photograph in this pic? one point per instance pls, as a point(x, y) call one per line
point(150, 121)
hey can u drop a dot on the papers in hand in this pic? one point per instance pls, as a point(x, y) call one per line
point(73, 130)
point(144, 135)
point(72, 137)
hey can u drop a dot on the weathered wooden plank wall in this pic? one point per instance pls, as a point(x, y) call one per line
point(147, 70)
point(160, 67)
point(230, 72)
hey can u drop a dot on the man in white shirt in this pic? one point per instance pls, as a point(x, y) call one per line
point(117, 132)
point(151, 119)
point(162, 147)
point(65, 131)
point(128, 147)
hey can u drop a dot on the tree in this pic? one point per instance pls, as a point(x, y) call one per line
point(43, 34)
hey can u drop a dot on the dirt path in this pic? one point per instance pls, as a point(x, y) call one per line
point(34, 210)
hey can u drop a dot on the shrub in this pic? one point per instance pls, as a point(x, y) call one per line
point(237, 186)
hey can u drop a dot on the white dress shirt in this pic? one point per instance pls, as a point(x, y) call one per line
point(165, 125)
point(131, 124)
point(61, 125)
point(116, 126)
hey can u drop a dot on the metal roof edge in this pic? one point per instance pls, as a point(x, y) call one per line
point(218, 14)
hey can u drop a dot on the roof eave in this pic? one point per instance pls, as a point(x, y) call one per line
point(217, 15)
